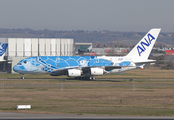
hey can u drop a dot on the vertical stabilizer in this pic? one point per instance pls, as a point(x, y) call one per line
point(3, 49)
point(143, 48)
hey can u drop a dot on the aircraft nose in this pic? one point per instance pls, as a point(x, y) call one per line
point(16, 68)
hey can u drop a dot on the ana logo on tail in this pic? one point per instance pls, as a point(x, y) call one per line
point(3, 48)
point(142, 47)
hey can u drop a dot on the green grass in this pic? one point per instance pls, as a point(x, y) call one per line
point(153, 96)
point(86, 97)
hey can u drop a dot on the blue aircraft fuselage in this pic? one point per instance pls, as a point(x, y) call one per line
point(43, 64)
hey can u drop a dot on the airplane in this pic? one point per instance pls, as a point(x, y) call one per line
point(87, 67)
point(3, 49)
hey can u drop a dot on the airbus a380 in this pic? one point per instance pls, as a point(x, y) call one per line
point(86, 67)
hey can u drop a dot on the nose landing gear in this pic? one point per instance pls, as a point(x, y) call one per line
point(23, 77)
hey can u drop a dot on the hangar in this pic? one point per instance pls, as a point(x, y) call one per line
point(81, 48)
point(20, 48)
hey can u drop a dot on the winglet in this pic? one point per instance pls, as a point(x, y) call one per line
point(143, 48)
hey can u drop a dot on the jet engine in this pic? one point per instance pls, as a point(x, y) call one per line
point(97, 71)
point(74, 73)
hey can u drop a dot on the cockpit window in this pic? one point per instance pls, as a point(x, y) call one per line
point(25, 62)
point(19, 64)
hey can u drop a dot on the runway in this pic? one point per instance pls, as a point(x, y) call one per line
point(91, 85)
point(4, 115)
point(102, 85)
point(98, 79)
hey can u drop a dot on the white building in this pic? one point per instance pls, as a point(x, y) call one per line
point(20, 48)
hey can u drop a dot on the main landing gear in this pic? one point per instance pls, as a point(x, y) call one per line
point(85, 78)
point(23, 77)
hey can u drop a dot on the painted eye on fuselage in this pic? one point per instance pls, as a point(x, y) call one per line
point(25, 62)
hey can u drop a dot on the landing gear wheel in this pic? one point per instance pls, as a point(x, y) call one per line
point(23, 77)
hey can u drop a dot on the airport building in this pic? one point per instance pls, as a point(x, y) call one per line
point(20, 48)
point(81, 48)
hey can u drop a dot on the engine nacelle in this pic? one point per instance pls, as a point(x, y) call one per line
point(74, 73)
point(97, 71)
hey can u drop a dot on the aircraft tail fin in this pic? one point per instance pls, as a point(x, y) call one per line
point(143, 48)
point(3, 49)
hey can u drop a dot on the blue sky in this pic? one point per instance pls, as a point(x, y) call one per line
point(114, 15)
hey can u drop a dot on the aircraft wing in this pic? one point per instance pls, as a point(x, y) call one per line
point(63, 71)
point(107, 68)
point(60, 71)
point(86, 69)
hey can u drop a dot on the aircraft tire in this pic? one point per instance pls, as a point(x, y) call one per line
point(23, 77)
